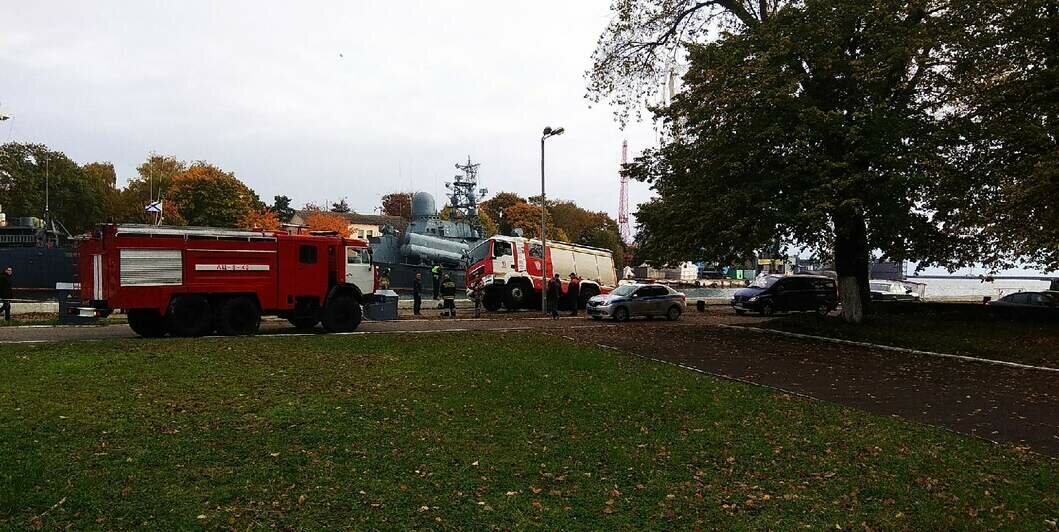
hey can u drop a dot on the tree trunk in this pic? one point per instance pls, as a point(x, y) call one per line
point(851, 264)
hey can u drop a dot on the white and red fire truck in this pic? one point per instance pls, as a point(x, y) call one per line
point(510, 270)
point(191, 281)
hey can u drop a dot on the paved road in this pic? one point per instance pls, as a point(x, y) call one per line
point(993, 402)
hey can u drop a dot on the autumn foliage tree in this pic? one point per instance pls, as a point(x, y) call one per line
point(206, 195)
point(398, 204)
point(327, 221)
point(527, 217)
point(264, 219)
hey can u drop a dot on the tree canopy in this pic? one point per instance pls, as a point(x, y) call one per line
point(398, 204)
point(319, 220)
point(832, 125)
point(281, 206)
point(76, 198)
point(206, 195)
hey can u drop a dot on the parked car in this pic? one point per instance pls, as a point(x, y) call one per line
point(769, 294)
point(629, 300)
point(882, 290)
point(1026, 305)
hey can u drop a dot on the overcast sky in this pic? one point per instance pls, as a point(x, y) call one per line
point(320, 100)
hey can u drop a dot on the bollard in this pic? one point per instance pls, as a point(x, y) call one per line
point(700, 305)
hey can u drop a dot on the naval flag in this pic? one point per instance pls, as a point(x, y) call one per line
point(154, 207)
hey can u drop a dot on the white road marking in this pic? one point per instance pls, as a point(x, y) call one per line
point(889, 348)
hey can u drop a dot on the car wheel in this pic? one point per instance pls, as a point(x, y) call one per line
point(824, 309)
point(342, 314)
point(740, 312)
point(767, 309)
point(238, 316)
point(673, 314)
point(146, 322)
point(621, 314)
point(189, 316)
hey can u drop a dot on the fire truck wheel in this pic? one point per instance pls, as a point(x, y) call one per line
point(516, 296)
point(189, 316)
point(587, 293)
point(491, 301)
point(342, 314)
point(238, 316)
point(303, 323)
point(147, 323)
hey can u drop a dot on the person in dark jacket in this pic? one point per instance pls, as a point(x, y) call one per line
point(573, 294)
point(448, 294)
point(6, 293)
point(555, 291)
point(417, 294)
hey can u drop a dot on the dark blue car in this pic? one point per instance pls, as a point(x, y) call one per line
point(769, 294)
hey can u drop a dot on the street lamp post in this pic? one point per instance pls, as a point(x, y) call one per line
point(548, 132)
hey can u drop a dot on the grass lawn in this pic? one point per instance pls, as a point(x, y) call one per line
point(467, 431)
point(1033, 343)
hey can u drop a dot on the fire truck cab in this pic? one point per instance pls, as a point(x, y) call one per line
point(510, 269)
point(192, 281)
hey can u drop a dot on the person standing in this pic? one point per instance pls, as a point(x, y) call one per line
point(435, 277)
point(417, 294)
point(448, 293)
point(555, 291)
point(6, 293)
point(476, 293)
point(573, 293)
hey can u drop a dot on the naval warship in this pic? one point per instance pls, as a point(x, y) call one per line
point(40, 252)
point(431, 240)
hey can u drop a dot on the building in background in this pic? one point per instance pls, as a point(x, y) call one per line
point(360, 225)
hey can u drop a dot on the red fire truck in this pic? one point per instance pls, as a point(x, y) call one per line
point(191, 281)
point(509, 268)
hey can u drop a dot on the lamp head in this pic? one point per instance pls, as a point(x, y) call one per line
point(547, 131)
point(558, 131)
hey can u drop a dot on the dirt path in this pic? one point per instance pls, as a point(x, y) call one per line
point(996, 403)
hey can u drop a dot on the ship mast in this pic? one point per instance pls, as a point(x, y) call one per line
point(464, 194)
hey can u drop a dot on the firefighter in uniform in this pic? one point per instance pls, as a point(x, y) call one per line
point(435, 276)
point(448, 293)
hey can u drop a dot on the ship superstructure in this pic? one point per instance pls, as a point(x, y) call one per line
point(430, 239)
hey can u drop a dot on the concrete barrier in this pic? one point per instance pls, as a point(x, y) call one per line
point(34, 307)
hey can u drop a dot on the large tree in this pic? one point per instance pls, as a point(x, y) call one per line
point(206, 195)
point(1006, 87)
point(32, 175)
point(817, 123)
point(152, 182)
point(281, 207)
point(496, 206)
point(398, 204)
